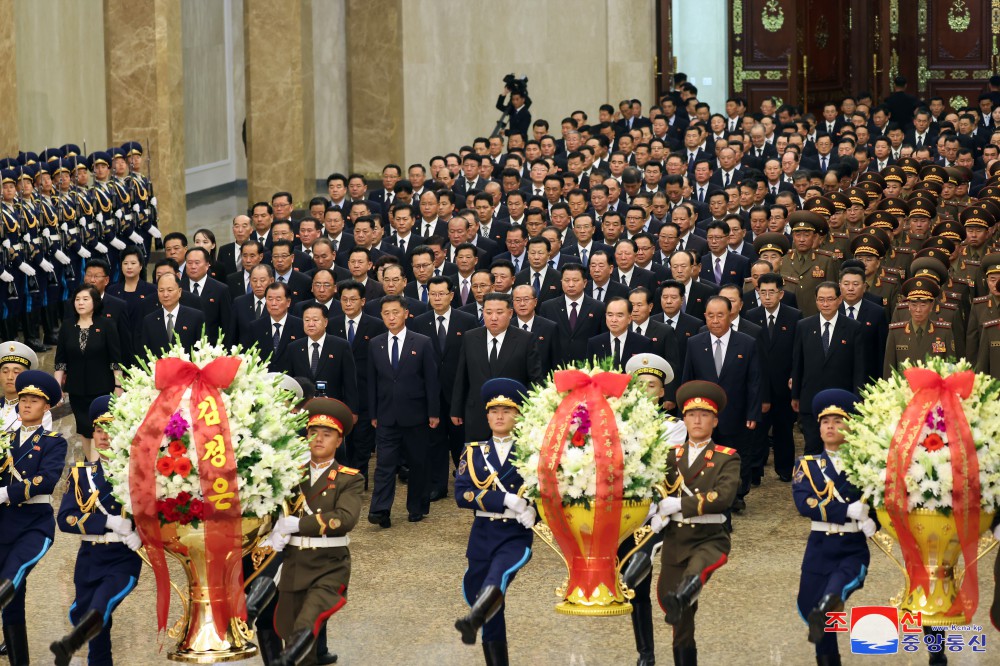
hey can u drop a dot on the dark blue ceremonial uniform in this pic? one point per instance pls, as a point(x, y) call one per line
point(835, 562)
point(105, 571)
point(498, 547)
point(27, 526)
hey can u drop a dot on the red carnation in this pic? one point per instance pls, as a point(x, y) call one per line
point(165, 465)
point(177, 448)
point(171, 514)
point(182, 466)
point(578, 439)
point(183, 497)
point(197, 509)
point(933, 442)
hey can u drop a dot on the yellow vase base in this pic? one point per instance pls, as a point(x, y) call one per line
point(942, 620)
point(248, 651)
point(595, 610)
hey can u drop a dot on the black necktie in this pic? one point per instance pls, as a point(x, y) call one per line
point(170, 328)
point(617, 358)
point(194, 288)
point(277, 336)
point(395, 353)
point(350, 331)
point(259, 309)
point(442, 333)
point(572, 316)
point(770, 324)
point(826, 336)
point(494, 354)
point(314, 363)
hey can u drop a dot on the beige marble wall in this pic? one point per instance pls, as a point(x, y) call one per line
point(278, 58)
point(8, 80)
point(239, 87)
point(375, 44)
point(631, 51)
point(329, 30)
point(60, 92)
point(206, 125)
point(145, 97)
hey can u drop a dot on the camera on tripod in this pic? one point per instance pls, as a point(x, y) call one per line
point(516, 86)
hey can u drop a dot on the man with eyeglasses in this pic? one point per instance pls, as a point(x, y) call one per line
point(542, 330)
point(394, 283)
point(282, 257)
point(422, 267)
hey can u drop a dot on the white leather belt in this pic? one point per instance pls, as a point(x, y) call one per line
point(38, 499)
point(319, 542)
point(110, 537)
point(708, 518)
point(507, 514)
point(835, 528)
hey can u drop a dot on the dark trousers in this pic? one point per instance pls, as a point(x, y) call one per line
point(447, 441)
point(103, 595)
point(16, 562)
point(744, 443)
point(779, 420)
point(499, 570)
point(848, 577)
point(810, 432)
point(391, 442)
point(360, 444)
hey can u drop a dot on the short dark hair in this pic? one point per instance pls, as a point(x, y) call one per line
point(715, 298)
point(771, 278)
point(279, 285)
point(175, 235)
point(346, 285)
point(828, 285)
point(317, 306)
point(497, 296)
point(393, 298)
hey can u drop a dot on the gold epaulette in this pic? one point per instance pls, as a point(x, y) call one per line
point(899, 324)
point(725, 449)
point(349, 470)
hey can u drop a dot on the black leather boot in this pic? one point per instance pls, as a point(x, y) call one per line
point(297, 648)
point(639, 566)
point(642, 627)
point(323, 655)
point(16, 636)
point(269, 646)
point(817, 616)
point(685, 656)
point(7, 592)
point(828, 660)
point(260, 594)
point(3, 649)
point(686, 594)
point(495, 653)
point(936, 658)
point(89, 626)
point(487, 604)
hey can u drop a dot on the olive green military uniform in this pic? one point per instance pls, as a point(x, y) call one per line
point(984, 309)
point(909, 343)
point(805, 272)
point(988, 359)
point(947, 314)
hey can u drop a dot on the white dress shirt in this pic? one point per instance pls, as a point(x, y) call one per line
point(489, 341)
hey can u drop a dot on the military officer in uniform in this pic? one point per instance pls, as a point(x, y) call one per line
point(107, 568)
point(988, 358)
point(918, 338)
point(984, 308)
point(702, 480)
point(15, 358)
point(501, 536)
point(942, 311)
point(31, 469)
point(804, 264)
point(655, 374)
point(316, 569)
point(836, 558)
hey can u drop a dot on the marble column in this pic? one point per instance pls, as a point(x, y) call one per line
point(145, 94)
point(279, 99)
point(8, 81)
point(375, 83)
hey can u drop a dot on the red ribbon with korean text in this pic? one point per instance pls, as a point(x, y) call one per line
point(591, 562)
point(930, 389)
point(217, 474)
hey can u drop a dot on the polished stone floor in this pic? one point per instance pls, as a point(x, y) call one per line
point(405, 595)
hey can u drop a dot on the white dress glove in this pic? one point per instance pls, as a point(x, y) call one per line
point(136, 207)
point(47, 266)
point(857, 510)
point(154, 232)
point(996, 532)
point(287, 525)
point(677, 433)
point(118, 213)
point(527, 517)
point(6, 277)
point(118, 525)
point(653, 508)
point(4, 496)
point(152, 202)
point(515, 503)
point(62, 258)
point(117, 244)
point(133, 541)
point(84, 252)
point(658, 523)
point(277, 541)
point(100, 217)
point(669, 506)
point(869, 527)
point(26, 269)
point(101, 247)
point(135, 238)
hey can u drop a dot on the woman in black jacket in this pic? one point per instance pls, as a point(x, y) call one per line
point(88, 355)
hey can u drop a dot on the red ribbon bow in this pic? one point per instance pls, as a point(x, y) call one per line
point(929, 389)
point(591, 562)
point(223, 526)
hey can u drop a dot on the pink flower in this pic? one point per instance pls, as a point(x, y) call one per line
point(176, 426)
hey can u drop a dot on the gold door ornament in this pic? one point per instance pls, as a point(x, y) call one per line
point(772, 16)
point(822, 32)
point(958, 16)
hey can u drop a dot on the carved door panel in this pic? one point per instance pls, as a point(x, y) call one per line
point(825, 46)
point(762, 45)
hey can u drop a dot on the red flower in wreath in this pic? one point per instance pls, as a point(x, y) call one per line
point(182, 466)
point(183, 497)
point(933, 442)
point(197, 509)
point(165, 465)
point(578, 439)
point(176, 448)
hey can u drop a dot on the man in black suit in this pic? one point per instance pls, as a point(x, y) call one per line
point(251, 254)
point(825, 158)
point(282, 259)
point(324, 292)
point(871, 316)
point(626, 272)
point(495, 350)
point(900, 104)
point(384, 196)
point(600, 286)
point(778, 323)
point(543, 331)
point(358, 329)
point(493, 229)
point(618, 342)
point(275, 331)
point(325, 359)
point(828, 352)
point(578, 317)
point(261, 216)
point(216, 302)
point(730, 359)
point(545, 281)
point(720, 266)
point(171, 320)
point(248, 308)
point(228, 256)
point(696, 293)
point(446, 327)
point(404, 397)
point(394, 283)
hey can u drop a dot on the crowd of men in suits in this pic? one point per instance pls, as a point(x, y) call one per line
point(774, 253)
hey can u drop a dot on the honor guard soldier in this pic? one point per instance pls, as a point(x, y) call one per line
point(942, 311)
point(702, 480)
point(142, 195)
point(655, 374)
point(501, 535)
point(919, 337)
point(107, 567)
point(15, 358)
point(836, 557)
point(30, 471)
point(316, 569)
point(805, 264)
